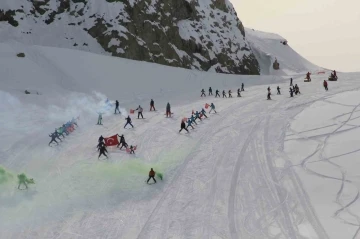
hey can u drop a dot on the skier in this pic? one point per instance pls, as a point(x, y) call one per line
point(278, 90)
point(238, 93)
point(325, 85)
point(189, 123)
point(297, 89)
point(128, 121)
point(183, 126)
point(117, 107)
point(291, 92)
point(64, 128)
point(57, 135)
point(291, 82)
point(53, 138)
point(203, 93)
point(230, 96)
point(151, 175)
point(210, 91)
point(224, 94)
point(103, 151)
point(203, 112)
point(100, 144)
point(60, 132)
point(242, 87)
point(132, 150)
point(152, 105)
point(193, 119)
point(334, 73)
point(99, 119)
point(101, 139)
point(269, 93)
point(212, 106)
point(308, 76)
point(168, 110)
point(121, 141)
point(197, 116)
point(24, 180)
point(217, 93)
point(140, 110)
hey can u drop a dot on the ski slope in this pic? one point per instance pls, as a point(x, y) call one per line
point(284, 168)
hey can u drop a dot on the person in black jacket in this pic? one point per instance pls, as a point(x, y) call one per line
point(278, 90)
point(117, 107)
point(183, 126)
point(210, 91)
point(128, 121)
point(152, 105)
point(103, 151)
point(217, 93)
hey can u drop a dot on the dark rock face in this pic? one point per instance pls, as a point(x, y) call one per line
point(195, 34)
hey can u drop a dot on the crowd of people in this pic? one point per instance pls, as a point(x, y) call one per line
point(63, 130)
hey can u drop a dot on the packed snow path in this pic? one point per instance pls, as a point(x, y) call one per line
point(242, 173)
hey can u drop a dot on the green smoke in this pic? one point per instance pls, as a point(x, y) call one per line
point(5, 176)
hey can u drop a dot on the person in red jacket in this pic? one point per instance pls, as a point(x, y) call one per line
point(325, 85)
point(151, 175)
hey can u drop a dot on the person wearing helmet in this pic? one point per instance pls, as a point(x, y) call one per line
point(151, 175)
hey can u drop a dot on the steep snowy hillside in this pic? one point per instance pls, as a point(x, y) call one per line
point(281, 168)
point(268, 47)
point(199, 34)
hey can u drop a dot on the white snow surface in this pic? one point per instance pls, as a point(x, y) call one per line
point(285, 168)
point(267, 47)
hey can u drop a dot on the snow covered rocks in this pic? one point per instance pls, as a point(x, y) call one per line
point(200, 34)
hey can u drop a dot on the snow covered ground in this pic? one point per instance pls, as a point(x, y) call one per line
point(284, 168)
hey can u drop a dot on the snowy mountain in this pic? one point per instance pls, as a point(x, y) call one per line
point(198, 34)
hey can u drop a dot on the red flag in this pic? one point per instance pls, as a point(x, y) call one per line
point(207, 105)
point(132, 111)
point(111, 141)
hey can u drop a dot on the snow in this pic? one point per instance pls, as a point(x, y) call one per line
point(285, 168)
point(267, 48)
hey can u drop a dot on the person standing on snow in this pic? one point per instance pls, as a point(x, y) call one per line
point(291, 82)
point(278, 90)
point(203, 93)
point(152, 105)
point(128, 121)
point(308, 76)
point(197, 116)
point(291, 92)
point(140, 110)
point(132, 149)
point(151, 175)
point(193, 119)
point(101, 139)
point(121, 140)
point(100, 144)
point(210, 91)
point(230, 96)
point(325, 84)
point(168, 110)
point(297, 89)
point(183, 126)
point(57, 135)
point(217, 93)
point(238, 93)
point(212, 106)
point(189, 123)
point(60, 132)
point(224, 94)
point(269, 93)
point(53, 138)
point(99, 119)
point(103, 151)
point(117, 107)
point(203, 112)
point(242, 87)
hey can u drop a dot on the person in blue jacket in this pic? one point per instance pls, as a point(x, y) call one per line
point(197, 115)
point(212, 106)
point(193, 119)
point(203, 112)
point(189, 123)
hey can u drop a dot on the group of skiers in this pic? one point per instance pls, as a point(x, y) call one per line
point(196, 115)
point(223, 92)
point(66, 129)
point(102, 146)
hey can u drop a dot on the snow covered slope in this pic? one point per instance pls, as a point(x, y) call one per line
point(267, 47)
point(284, 168)
point(200, 34)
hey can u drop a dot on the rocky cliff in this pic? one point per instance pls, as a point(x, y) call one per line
point(196, 34)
